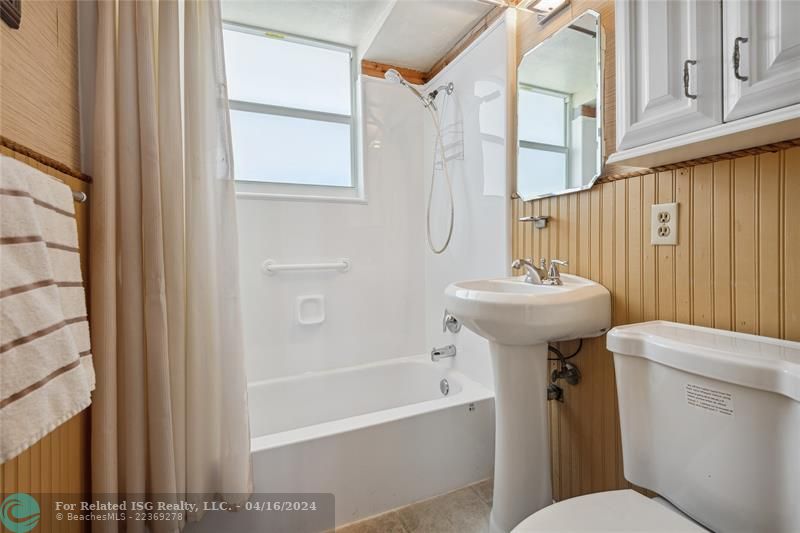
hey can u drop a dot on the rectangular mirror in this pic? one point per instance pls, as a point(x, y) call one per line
point(559, 110)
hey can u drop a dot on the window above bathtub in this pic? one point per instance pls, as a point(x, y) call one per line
point(293, 115)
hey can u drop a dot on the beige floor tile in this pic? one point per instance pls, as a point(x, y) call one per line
point(484, 489)
point(461, 511)
point(385, 523)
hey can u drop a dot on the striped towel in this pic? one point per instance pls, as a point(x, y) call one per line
point(46, 372)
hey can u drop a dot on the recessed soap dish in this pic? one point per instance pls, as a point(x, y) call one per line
point(311, 309)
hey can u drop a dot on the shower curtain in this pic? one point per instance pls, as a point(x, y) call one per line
point(170, 412)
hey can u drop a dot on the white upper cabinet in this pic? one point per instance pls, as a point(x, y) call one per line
point(668, 69)
point(703, 77)
point(761, 56)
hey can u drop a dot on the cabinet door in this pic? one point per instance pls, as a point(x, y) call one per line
point(668, 69)
point(761, 56)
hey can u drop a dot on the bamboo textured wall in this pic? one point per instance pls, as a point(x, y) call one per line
point(39, 109)
point(736, 267)
point(39, 80)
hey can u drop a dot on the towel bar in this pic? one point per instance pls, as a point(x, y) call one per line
point(270, 266)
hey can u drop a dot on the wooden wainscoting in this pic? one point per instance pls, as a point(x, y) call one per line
point(736, 267)
point(59, 462)
point(39, 109)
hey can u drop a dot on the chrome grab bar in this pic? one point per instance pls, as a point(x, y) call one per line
point(270, 266)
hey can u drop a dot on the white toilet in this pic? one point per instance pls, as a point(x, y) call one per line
point(710, 421)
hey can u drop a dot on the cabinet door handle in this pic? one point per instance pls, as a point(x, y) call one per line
point(686, 78)
point(737, 57)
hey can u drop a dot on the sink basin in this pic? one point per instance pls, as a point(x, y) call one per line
point(513, 312)
point(519, 319)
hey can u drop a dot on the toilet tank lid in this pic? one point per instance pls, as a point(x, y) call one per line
point(749, 360)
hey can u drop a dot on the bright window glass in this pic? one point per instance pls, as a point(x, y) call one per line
point(549, 126)
point(548, 170)
point(278, 149)
point(280, 72)
point(292, 116)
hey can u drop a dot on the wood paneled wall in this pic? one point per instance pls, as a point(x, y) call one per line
point(736, 267)
point(39, 80)
point(58, 463)
point(39, 109)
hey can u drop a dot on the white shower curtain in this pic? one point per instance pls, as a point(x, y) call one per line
point(170, 411)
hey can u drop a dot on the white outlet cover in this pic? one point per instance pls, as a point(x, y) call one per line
point(664, 224)
point(311, 309)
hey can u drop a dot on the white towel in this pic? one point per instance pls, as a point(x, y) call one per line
point(46, 372)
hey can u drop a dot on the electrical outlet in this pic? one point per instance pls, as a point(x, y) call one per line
point(664, 224)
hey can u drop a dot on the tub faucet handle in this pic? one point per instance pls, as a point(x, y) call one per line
point(450, 323)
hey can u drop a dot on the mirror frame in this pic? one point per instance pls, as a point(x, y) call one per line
point(600, 113)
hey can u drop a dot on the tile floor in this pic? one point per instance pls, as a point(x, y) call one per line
point(462, 511)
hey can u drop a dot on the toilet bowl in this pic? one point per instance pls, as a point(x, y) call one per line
point(616, 510)
point(710, 420)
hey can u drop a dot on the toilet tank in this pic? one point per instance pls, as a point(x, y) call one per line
point(710, 420)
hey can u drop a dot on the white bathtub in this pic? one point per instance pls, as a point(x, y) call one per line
point(377, 436)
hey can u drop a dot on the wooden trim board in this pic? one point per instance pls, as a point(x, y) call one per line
point(378, 70)
point(43, 159)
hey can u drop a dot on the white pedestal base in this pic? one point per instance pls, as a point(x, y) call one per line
point(522, 437)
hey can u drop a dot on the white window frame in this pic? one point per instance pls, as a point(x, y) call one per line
point(355, 192)
point(545, 147)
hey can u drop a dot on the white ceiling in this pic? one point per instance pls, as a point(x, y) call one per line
point(405, 33)
point(417, 33)
point(338, 21)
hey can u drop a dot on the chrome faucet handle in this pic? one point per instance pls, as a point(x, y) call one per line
point(553, 275)
point(450, 323)
point(542, 262)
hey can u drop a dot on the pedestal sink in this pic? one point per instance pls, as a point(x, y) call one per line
point(519, 319)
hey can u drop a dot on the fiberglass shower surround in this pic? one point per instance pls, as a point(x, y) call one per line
point(429, 102)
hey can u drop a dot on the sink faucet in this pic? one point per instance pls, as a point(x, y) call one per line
point(541, 275)
point(533, 274)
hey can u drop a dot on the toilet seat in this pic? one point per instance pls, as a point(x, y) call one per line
point(616, 510)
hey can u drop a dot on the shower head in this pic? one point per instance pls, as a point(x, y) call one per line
point(393, 76)
point(428, 101)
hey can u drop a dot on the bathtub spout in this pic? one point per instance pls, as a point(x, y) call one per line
point(443, 352)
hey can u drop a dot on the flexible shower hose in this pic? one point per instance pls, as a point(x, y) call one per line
point(439, 145)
